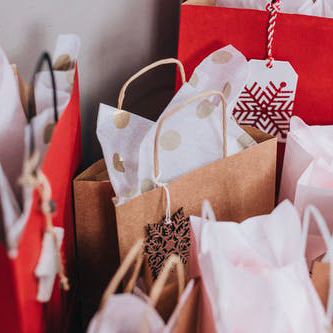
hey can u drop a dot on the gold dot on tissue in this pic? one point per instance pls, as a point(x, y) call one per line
point(205, 108)
point(146, 185)
point(226, 90)
point(48, 131)
point(121, 118)
point(221, 57)
point(245, 141)
point(132, 192)
point(194, 80)
point(170, 140)
point(118, 162)
point(63, 63)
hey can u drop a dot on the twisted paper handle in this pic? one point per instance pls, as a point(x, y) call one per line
point(135, 254)
point(147, 69)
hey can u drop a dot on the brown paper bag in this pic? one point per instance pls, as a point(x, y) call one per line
point(238, 187)
point(188, 316)
point(96, 236)
point(321, 280)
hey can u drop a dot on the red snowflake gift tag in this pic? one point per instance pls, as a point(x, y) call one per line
point(267, 100)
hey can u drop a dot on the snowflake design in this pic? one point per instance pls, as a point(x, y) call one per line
point(166, 239)
point(269, 108)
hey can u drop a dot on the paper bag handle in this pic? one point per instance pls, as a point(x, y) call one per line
point(45, 57)
point(321, 223)
point(178, 108)
point(134, 254)
point(161, 280)
point(147, 69)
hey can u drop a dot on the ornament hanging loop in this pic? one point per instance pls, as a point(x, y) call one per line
point(273, 7)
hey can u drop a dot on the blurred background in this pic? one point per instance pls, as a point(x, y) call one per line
point(117, 39)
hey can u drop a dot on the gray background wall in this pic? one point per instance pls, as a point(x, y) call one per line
point(118, 38)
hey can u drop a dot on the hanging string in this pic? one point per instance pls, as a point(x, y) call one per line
point(158, 183)
point(273, 7)
point(36, 179)
point(48, 209)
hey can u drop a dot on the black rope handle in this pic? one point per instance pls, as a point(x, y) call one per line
point(45, 57)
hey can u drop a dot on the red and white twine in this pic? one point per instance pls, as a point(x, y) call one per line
point(273, 8)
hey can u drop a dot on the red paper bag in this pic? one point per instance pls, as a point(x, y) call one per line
point(20, 311)
point(305, 41)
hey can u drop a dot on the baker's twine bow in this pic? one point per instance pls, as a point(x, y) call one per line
point(158, 183)
point(273, 7)
point(36, 179)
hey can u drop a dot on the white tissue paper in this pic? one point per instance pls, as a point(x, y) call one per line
point(12, 124)
point(307, 174)
point(66, 45)
point(192, 137)
point(15, 211)
point(120, 134)
point(255, 274)
point(323, 8)
point(189, 139)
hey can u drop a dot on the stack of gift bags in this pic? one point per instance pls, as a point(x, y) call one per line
point(215, 217)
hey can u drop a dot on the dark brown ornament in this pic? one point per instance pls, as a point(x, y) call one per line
point(166, 239)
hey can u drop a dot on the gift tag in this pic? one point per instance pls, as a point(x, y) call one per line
point(267, 100)
point(164, 239)
point(47, 267)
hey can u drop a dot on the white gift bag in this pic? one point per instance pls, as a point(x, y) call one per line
point(255, 273)
point(307, 174)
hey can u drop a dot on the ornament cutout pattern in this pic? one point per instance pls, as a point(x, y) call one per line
point(166, 239)
point(266, 108)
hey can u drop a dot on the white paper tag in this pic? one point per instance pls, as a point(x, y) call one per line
point(267, 100)
point(47, 267)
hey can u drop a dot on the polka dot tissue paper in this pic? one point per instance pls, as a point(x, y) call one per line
point(189, 138)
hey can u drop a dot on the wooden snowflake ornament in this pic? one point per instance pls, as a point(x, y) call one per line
point(166, 239)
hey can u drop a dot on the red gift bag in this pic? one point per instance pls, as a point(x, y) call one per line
point(19, 309)
point(305, 41)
